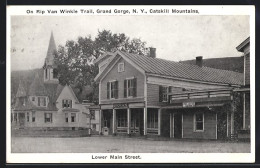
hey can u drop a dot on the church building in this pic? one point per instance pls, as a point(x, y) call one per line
point(45, 104)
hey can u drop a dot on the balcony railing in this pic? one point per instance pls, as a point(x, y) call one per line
point(201, 95)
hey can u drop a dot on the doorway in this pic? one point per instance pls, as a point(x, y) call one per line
point(177, 128)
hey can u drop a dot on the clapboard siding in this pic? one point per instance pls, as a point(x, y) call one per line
point(247, 70)
point(129, 72)
point(209, 126)
point(153, 95)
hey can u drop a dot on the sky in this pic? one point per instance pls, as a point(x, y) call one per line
point(175, 37)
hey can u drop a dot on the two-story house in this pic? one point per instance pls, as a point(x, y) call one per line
point(145, 95)
point(244, 131)
point(45, 104)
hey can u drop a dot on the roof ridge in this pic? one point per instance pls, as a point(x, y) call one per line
point(181, 63)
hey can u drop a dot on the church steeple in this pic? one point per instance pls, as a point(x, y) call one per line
point(50, 69)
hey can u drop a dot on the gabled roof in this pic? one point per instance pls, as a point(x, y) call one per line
point(102, 57)
point(37, 87)
point(21, 90)
point(241, 46)
point(161, 67)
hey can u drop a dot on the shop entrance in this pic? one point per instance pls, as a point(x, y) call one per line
point(177, 129)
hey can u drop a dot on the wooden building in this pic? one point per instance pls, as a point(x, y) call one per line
point(244, 91)
point(145, 95)
point(45, 104)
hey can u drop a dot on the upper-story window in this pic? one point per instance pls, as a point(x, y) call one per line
point(199, 122)
point(55, 73)
point(163, 93)
point(112, 90)
point(42, 101)
point(130, 87)
point(121, 67)
point(66, 103)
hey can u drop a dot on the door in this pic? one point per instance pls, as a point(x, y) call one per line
point(21, 119)
point(177, 125)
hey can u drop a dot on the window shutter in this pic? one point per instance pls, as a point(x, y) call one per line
point(160, 93)
point(125, 88)
point(135, 86)
point(108, 90)
point(116, 89)
point(70, 103)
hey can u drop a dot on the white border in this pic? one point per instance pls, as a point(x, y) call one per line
point(146, 157)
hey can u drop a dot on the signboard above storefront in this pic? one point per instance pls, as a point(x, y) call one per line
point(188, 104)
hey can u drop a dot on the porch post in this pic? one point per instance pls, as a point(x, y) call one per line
point(181, 125)
point(170, 125)
point(128, 120)
point(244, 110)
point(159, 121)
point(145, 120)
point(232, 120)
point(114, 121)
point(227, 124)
point(100, 121)
point(17, 114)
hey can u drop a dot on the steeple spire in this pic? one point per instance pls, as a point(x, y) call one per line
point(49, 60)
point(49, 67)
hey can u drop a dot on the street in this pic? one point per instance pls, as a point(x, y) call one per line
point(102, 144)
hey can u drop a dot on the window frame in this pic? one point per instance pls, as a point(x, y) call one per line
point(45, 119)
point(66, 117)
point(121, 120)
point(165, 95)
point(120, 66)
point(114, 90)
point(195, 122)
point(27, 116)
point(153, 120)
point(39, 104)
point(33, 116)
point(72, 117)
point(67, 102)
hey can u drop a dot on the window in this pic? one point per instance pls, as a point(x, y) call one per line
point(42, 101)
point(73, 117)
point(130, 87)
point(92, 114)
point(112, 90)
point(94, 126)
point(121, 67)
point(46, 73)
point(33, 98)
point(33, 116)
point(66, 117)
point(163, 93)
point(66, 103)
point(55, 73)
point(28, 117)
point(199, 122)
point(48, 117)
point(152, 118)
point(122, 119)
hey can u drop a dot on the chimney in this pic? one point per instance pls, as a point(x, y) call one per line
point(199, 61)
point(152, 52)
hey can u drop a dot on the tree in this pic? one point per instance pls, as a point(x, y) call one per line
point(75, 59)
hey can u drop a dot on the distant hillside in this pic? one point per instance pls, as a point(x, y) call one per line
point(229, 63)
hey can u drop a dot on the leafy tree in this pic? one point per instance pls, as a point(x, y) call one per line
point(75, 59)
